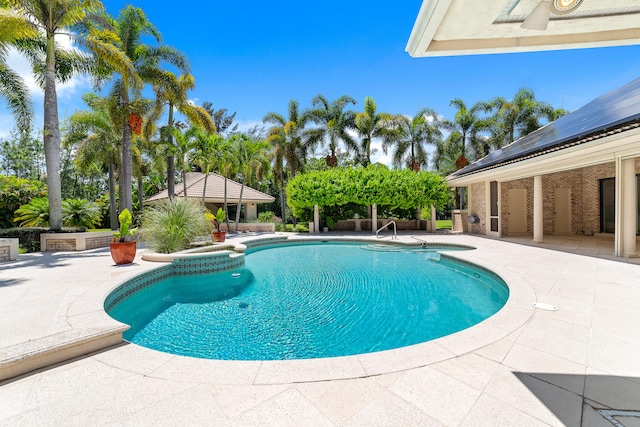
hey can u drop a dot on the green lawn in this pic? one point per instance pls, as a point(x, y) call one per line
point(443, 224)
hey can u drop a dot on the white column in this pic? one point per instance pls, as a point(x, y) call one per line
point(316, 219)
point(628, 208)
point(538, 211)
point(433, 219)
point(374, 218)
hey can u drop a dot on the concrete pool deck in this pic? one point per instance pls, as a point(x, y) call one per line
point(524, 366)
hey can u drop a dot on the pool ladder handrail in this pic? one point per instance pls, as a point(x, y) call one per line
point(395, 231)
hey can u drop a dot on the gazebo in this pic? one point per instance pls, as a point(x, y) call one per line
point(214, 196)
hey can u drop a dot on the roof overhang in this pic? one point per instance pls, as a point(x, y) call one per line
point(624, 145)
point(462, 27)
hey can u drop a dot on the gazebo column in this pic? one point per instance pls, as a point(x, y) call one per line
point(374, 218)
point(316, 219)
point(625, 237)
point(538, 211)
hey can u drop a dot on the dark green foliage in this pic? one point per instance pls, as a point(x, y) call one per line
point(15, 192)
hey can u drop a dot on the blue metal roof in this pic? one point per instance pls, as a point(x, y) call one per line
point(610, 111)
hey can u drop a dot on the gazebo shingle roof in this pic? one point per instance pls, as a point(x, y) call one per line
point(215, 190)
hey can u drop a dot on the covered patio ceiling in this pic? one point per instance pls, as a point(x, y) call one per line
point(461, 27)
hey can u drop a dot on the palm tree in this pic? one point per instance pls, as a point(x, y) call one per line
point(252, 161)
point(412, 135)
point(184, 148)
point(209, 148)
point(334, 123)
point(468, 124)
point(129, 28)
point(171, 92)
point(13, 29)
point(370, 124)
point(518, 117)
point(98, 139)
point(288, 141)
point(51, 18)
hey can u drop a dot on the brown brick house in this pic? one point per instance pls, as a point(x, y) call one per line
point(577, 175)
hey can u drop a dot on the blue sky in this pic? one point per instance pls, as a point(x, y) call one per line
point(253, 57)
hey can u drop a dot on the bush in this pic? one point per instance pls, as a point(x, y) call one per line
point(80, 213)
point(15, 192)
point(267, 216)
point(171, 225)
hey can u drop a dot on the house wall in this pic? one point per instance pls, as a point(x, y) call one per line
point(478, 206)
point(585, 199)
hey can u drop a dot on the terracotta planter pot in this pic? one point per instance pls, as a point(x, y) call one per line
point(123, 252)
point(218, 236)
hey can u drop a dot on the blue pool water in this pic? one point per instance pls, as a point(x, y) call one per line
point(312, 300)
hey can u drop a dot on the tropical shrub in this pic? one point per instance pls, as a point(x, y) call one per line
point(267, 216)
point(34, 213)
point(15, 192)
point(171, 225)
point(80, 213)
point(403, 189)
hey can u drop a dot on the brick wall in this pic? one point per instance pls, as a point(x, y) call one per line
point(585, 198)
point(5, 253)
point(98, 242)
point(478, 206)
point(61, 244)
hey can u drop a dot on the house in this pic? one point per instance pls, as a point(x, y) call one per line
point(215, 193)
point(576, 175)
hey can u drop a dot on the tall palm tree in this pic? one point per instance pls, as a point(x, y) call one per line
point(468, 124)
point(517, 117)
point(287, 138)
point(13, 29)
point(129, 28)
point(252, 162)
point(184, 149)
point(411, 137)
point(97, 139)
point(334, 124)
point(371, 124)
point(209, 148)
point(53, 17)
point(171, 92)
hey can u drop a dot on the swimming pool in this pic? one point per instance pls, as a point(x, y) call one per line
point(311, 300)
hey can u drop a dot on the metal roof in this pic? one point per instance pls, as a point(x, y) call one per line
point(614, 112)
point(215, 190)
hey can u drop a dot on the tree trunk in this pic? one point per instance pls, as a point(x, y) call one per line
point(184, 182)
point(171, 162)
point(282, 201)
point(239, 205)
point(226, 213)
point(204, 190)
point(127, 163)
point(113, 210)
point(140, 194)
point(52, 138)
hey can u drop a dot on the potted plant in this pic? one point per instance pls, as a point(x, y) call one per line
point(216, 220)
point(122, 250)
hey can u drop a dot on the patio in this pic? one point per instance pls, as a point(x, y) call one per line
point(524, 366)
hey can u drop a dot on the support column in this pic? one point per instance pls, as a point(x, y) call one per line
point(538, 210)
point(433, 219)
point(374, 218)
point(316, 219)
point(626, 221)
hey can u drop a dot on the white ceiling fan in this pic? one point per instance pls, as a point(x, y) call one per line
point(538, 19)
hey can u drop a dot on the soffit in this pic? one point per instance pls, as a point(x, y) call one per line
point(459, 27)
